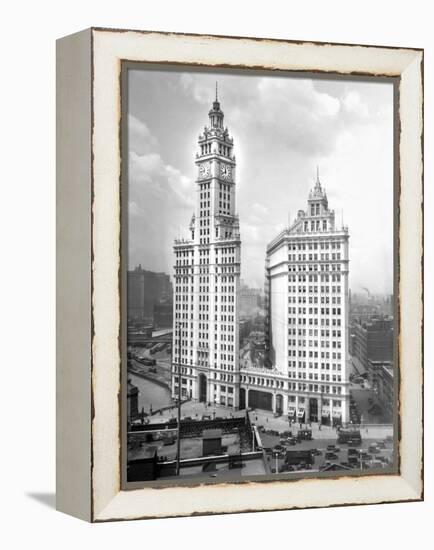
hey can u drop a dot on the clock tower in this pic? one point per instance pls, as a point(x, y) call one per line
point(207, 275)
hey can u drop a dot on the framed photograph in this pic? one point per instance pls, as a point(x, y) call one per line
point(240, 300)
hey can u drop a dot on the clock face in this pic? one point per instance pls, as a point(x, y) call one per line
point(225, 171)
point(204, 170)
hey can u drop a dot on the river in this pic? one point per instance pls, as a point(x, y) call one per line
point(150, 393)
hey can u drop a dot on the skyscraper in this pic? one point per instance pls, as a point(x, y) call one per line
point(207, 274)
point(307, 279)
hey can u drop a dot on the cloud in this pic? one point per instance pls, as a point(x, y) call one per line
point(160, 196)
point(282, 128)
point(353, 105)
point(300, 116)
point(140, 139)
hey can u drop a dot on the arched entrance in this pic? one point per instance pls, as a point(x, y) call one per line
point(202, 388)
point(313, 409)
point(242, 398)
point(279, 404)
point(260, 400)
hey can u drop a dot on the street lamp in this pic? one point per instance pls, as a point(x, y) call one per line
point(277, 463)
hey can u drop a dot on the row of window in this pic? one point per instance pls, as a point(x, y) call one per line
point(336, 300)
point(314, 267)
point(334, 245)
point(313, 278)
point(314, 257)
point(315, 365)
point(315, 225)
point(315, 289)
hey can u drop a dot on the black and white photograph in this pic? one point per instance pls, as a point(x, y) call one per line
point(260, 275)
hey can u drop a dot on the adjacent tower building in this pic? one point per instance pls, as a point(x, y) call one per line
point(207, 275)
point(307, 295)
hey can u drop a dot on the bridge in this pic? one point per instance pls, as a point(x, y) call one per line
point(157, 337)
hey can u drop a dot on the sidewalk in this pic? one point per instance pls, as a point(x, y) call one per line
point(196, 410)
point(281, 424)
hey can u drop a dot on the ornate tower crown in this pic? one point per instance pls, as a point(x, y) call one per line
point(318, 193)
point(216, 115)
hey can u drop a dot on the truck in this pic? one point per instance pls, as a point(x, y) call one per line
point(293, 458)
point(349, 436)
point(304, 435)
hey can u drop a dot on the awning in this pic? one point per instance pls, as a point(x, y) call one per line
point(300, 414)
point(291, 412)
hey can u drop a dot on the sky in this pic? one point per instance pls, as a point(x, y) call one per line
point(283, 128)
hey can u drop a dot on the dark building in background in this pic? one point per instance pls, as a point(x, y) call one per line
point(365, 306)
point(385, 388)
point(250, 299)
point(147, 289)
point(163, 315)
point(132, 401)
point(371, 341)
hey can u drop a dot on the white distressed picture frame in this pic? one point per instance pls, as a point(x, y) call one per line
point(88, 274)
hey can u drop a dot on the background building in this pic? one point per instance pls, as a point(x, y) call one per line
point(147, 289)
point(385, 389)
point(307, 330)
point(207, 277)
point(250, 300)
point(372, 340)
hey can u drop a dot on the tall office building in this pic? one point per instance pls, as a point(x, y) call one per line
point(145, 290)
point(307, 295)
point(207, 275)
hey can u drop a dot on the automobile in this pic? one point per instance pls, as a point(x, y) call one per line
point(373, 448)
point(278, 448)
point(316, 452)
point(381, 444)
point(331, 456)
point(304, 435)
point(365, 456)
point(333, 448)
point(291, 441)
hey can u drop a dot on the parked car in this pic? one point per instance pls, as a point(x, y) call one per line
point(331, 456)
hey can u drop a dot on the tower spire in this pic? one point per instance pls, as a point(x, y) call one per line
point(216, 91)
point(317, 173)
